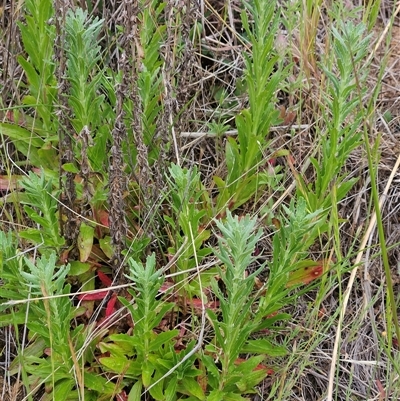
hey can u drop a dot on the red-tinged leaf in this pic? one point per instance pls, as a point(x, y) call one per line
point(104, 278)
point(101, 216)
point(382, 392)
point(165, 286)
point(276, 223)
point(197, 304)
point(64, 256)
point(9, 183)
point(122, 396)
point(111, 305)
point(93, 297)
point(308, 272)
point(260, 366)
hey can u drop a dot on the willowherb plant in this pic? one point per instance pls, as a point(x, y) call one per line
point(38, 35)
point(35, 136)
point(145, 355)
point(233, 328)
point(342, 113)
point(190, 206)
point(34, 293)
point(245, 311)
point(262, 76)
point(83, 56)
point(40, 204)
point(289, 266)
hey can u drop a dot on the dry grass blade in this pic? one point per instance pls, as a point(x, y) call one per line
point(366, 237)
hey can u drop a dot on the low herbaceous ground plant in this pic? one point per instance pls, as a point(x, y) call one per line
point(185, 202)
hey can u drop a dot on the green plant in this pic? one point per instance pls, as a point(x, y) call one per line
point(145, 356)
point(233, 329)
point(244, 311)
point(38, 37)
point(263, 75)
point(342, 113)
point(191, 209)
point(35, 137)
point(92, 116)
point(51, 357)
point(40, 204)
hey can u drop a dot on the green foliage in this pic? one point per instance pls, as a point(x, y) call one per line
point(49, 313)
point(92, 116)
point(190, 205)
point(40, 204)
point(299, 230)
point(38, 39)
point(145, 355)
point(233, 328)
point(11, 289)
point(263, 75)
point(83, 56)
point(149, 78)
point(38, 151)
point(37, 138)
point(343, 115)
point(152, 356)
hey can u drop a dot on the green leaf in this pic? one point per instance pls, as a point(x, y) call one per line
point(157, 391)
point(170, 391)
point(62, 389)
point(33, 235)
point(34, 349)
point(162, 338)
point(25, 142)
point(216, 395)
point(14, 318)
point(70, 168)
point(78, 268)
point(85, 241)
point(136, 391)
point(99, 383)
point(48, 156)
point(147, 373)
point(121, 365)
point(106, 247)
point(193, 387)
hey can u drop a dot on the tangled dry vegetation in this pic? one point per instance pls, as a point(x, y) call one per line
point(203, 92)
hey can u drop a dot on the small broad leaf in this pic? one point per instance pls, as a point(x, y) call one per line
point(147, 373)
point(193, 387)
point(106, 247)
point(162, 338)
point(136, 391)
point(78, 268)
point(263, 346)
point(307, 272)
point(118, 364)
point(70, 168)
point(85, 241)
point(99, 383)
